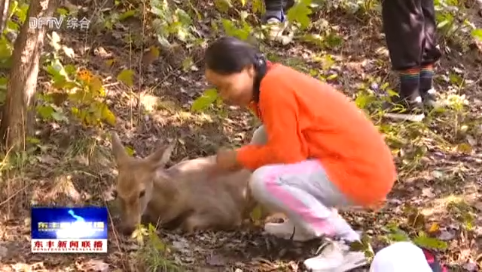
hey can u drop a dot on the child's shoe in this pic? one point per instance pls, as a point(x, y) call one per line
point(275, 23)
point(335, 257)
point(404, 109)
point(286, 229)
point(430, 99)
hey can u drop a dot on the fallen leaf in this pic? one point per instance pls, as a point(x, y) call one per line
point(428, 242)
point(465, 148)
point(470, 266)
point(48, 160)
point(97, 265)
point(69, 52)
point(445, 236)
point(394, 201)
point(437, 174)
point(434, 228)
point(3, 252)
point(428, 192)
point(478, 206)
point(471, 140)
point(216, 260)
point(109, 62)
point(181, 245)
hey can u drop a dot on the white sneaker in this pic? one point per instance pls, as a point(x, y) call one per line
point(275, 29)
point(285, 231)
point(335, 257)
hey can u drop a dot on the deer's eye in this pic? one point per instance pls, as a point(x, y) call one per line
point(142, 193)
point(114, 194)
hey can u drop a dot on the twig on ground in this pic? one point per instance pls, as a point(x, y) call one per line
point(116, 238)
point(14, 194)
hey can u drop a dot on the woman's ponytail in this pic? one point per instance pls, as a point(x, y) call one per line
point(261, 67)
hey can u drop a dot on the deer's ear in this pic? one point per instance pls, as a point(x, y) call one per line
point(161, 157)
point(120, 154)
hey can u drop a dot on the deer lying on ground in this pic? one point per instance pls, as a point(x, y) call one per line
point(183, 195)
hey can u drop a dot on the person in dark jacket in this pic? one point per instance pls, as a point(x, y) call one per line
point(410, 31)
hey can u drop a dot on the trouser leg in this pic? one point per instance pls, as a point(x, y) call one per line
point(403, 23)
point(430, 53)
point(273, 5)
point(304, 193)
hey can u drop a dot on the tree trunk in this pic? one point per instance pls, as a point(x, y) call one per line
point(23, 77)
point(4, 6)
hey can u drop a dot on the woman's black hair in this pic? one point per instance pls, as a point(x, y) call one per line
point(229, 55)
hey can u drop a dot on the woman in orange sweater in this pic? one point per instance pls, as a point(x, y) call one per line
point(315, 151)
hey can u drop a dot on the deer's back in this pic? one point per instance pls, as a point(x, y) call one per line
point(202, 189)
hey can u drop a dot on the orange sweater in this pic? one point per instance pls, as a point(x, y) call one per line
point(306, 118)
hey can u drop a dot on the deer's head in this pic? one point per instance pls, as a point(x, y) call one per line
point(135, 181)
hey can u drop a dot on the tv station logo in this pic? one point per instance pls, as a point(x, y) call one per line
point(69, 230)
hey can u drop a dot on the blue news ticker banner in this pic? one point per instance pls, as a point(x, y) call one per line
point(69, 223)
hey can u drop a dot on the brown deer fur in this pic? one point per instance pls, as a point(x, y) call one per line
point(183, 193)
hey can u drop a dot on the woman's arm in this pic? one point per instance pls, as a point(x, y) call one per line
point(280, 117)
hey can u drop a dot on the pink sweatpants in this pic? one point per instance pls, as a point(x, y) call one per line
point(303, 192)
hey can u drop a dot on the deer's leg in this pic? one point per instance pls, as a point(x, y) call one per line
point(205, 221)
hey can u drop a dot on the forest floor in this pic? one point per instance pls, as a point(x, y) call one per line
point(438, 194)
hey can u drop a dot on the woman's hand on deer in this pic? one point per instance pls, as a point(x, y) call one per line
point(226, 160)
